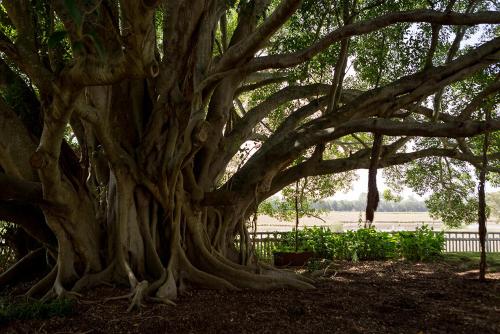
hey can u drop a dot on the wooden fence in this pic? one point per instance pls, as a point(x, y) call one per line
point(455, 242)
point(469, 242)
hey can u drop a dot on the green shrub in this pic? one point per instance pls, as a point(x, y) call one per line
point(318, 240)
point(365, 244)
point(422, 245)
point(287, 242)
point(34, 309)
point(313, 239)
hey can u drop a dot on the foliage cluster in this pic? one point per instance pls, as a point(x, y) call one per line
point(420, 245)
point(366, 244)
point(493, 200)
point(7, 253)
point(302, 198)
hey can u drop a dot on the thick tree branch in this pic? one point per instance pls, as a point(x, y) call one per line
point(259, 84)
point(407, 128)
point(10, 50)
point(26, 57)
point(20, 190)
point(365, 27)
point(361, 160)
point(478, 100)
point(289, 93)
point(247, 47)
point(353, 117)
point(30, 218)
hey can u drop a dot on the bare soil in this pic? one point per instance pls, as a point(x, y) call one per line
point(365, 297)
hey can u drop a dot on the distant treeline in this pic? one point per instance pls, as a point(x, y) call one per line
point(410, 204)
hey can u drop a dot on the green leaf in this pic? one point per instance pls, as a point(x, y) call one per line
point(56, 38)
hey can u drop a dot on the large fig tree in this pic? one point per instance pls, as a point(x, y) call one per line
point(122, 122)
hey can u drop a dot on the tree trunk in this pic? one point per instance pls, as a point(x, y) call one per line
point(296, 216)
point(482, 205)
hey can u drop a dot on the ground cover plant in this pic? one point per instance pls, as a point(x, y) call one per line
point(138, 138)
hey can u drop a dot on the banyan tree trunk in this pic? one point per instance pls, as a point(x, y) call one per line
point(145, 225)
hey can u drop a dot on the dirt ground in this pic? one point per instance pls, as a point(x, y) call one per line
point(365, 297)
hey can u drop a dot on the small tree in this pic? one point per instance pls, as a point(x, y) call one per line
point(299, 200)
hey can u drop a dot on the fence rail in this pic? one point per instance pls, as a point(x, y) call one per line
point(455, 242)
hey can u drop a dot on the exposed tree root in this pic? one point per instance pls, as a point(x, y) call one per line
point(138, 296)
point(58, 291)
point(272, 271)
point(91, 280)
point(161, 300)
point(23, 266)
point(241, 278)
point(43, 285)
point(137, 258)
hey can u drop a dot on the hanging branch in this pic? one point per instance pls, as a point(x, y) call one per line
point(373, 196)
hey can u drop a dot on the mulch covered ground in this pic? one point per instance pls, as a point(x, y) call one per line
point(366, 297)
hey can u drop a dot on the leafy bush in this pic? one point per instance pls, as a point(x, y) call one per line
point(318, 240)
point(14, 244)
point(422, 245)
point(287, 242)
point(34, 309)
point(314, 239)
point(7, 253)
point(365, 244)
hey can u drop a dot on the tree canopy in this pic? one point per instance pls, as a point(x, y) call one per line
point(138, 137)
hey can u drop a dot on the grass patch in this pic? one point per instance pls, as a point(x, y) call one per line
point(34, 309)
point(469, 261)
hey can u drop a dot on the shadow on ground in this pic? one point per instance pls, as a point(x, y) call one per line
point(365, 297)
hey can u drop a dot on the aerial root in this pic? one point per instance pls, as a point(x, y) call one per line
point(138, 295)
